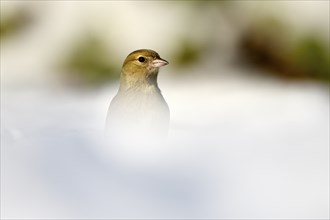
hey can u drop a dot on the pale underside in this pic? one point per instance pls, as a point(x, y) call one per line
point(138, 114)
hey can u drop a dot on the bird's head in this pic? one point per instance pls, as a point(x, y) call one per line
point(142, 64)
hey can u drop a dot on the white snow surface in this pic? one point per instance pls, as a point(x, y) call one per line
point(238, 147)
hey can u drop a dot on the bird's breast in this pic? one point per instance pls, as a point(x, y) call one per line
point(138, 111)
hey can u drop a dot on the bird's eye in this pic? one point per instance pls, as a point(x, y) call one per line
point(142, 59)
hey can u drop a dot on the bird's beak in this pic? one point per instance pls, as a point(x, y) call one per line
point(159, 62)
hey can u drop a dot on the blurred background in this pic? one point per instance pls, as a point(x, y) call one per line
point(248, 91)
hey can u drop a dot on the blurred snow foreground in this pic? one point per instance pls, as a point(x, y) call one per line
point(237, 148)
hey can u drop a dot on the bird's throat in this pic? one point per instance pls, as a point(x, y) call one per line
point(138, 82)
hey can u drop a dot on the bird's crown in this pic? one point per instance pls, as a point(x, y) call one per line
point(143, 56)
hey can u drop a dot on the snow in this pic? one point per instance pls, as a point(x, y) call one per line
point(239, 147)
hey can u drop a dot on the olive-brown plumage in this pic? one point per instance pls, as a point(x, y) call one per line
point(139, 109)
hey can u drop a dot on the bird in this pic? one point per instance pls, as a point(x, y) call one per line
point(139, 112)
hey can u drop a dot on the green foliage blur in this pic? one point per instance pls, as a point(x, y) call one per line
point(14, 23)
point(311, 57)
point(186, 54)
point(263, 42)
point(89, 62)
